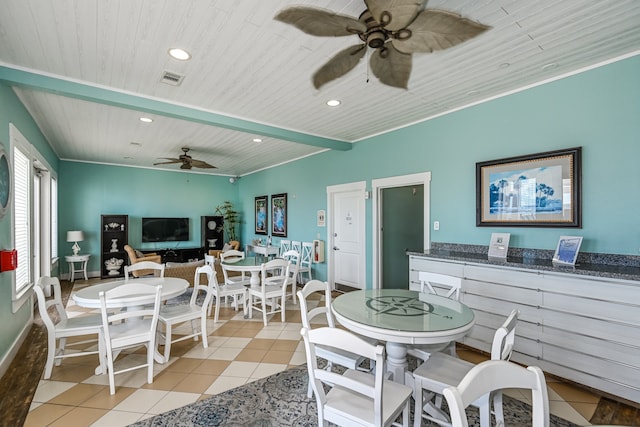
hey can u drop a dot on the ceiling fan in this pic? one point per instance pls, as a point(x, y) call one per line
point(395, 29)
point(187, 161)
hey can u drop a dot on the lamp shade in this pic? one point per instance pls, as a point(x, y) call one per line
point(75, 236)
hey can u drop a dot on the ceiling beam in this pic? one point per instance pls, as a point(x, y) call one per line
point(109, 96)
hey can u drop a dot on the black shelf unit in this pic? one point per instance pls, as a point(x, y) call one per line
point(114, 235)
point(212, 232)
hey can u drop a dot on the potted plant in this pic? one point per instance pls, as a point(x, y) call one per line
point(231, 220)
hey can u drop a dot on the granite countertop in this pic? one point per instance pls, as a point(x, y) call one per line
point(625, 272)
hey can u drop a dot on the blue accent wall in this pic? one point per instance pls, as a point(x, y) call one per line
point(90, 190)
point(597, 110)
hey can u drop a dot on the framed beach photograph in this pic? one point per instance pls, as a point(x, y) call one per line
point(279, 215)
point(262, 214)
point(536, 190)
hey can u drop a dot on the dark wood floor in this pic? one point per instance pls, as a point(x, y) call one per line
point(19, 383)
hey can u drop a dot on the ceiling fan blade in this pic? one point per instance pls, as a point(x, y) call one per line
point(343, 62)
point(391, 66)
point(394, 15)
point(202, 164)
point(437, 30)
point(171, 160)
point(319, 22)
point(185, 166)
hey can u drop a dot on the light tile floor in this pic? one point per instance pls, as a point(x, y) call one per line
point(240, 351)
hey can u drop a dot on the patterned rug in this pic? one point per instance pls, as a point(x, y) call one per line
point(281, 400)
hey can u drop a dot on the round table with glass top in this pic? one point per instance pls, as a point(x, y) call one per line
point(401, 317)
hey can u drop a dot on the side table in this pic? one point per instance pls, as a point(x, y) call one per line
point(72, 260)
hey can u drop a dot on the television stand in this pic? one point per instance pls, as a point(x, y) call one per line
point(180, 254)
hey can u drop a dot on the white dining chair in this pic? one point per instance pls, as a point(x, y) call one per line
point(354, 398)
point(144, 268)
point(331, 354)
point(443, 285)
point(195, 312)
point(133, 327)
point(271, 291)
point(285, 245)
point(222, 291)
point(294, 258)
point(296, 246)
point(496, 375)
point(442, 370)
point(231, 255)
point(61, 327)
point(209, 260)
point(304, 272)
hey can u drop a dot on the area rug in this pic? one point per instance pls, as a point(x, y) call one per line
point(281, 400)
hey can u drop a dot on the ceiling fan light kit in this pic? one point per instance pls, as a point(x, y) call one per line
point(395, 30)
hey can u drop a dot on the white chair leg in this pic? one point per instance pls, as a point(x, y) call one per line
point(485, 412)
point(51, 354)
point(217, 312)
point(203, 332)
point(497, 408)
point(282, 312)
point(417, 414)
point(112, 381)
point(264, 311)
point(61, 343)
point(150, 361)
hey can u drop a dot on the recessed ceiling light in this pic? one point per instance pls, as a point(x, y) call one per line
point(549, 66)
point(504, 65)
point(333, 103)
point(472, 93)
point(180, 54)
point(135, 144)
point(257, 139)
point(146, 119)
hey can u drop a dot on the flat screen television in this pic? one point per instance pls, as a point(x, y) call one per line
point(165, 229)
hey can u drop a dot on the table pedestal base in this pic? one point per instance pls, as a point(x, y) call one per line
point(397, 361)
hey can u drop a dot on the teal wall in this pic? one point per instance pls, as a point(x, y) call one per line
point(597, 110)
point(90, 190)
point(12, 111)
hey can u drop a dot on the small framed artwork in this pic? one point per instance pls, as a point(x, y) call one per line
point(279, 215)
point(536, 190)
point(499, 245)
point(262, 214)
point(322, 221)
point(567, 250)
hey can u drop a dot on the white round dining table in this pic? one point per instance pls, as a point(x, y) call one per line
point(89, 296)
point(250, 264)
point(401, 317)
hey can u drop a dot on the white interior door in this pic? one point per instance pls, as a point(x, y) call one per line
point(347, 262)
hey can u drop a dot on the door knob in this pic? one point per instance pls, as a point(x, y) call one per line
point(335, 248)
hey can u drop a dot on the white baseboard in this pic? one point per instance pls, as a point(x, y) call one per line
point(15, 347)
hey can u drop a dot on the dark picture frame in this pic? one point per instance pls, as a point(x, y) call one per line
point(6, 177)
point(279, 215)
point(262, 215)
point(535, 190)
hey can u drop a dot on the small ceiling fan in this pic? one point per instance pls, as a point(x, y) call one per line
point(395, 29)
point(187, 161)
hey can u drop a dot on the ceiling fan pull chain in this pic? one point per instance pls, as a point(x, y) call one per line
point(367, 61)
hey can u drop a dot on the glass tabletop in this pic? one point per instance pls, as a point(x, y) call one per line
point(249, 261)
point(403, 310)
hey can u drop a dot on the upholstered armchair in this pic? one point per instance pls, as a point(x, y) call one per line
point(137, 256)
point(234, 244)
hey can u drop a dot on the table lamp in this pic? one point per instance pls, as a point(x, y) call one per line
point(75, 236)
